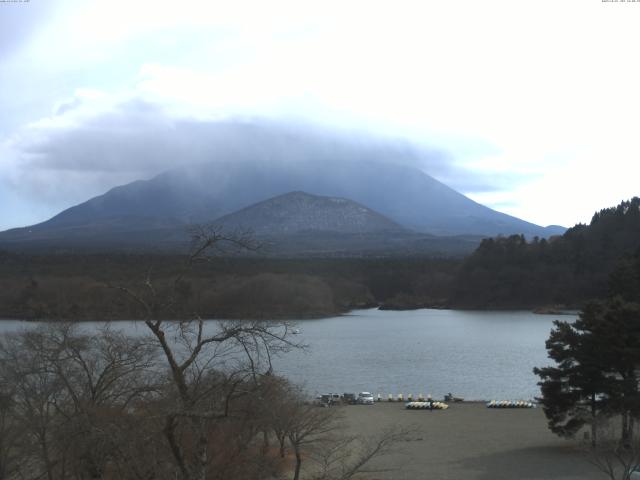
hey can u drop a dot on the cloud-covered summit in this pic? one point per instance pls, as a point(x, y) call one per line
point(84, 149)
point(510, 115)
point(79, 153)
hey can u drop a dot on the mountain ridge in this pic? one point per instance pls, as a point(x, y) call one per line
point(406, 195)
point(296, 224)
point(298, 212)
point(259, 163)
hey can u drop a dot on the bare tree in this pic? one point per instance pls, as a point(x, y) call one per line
point(319, 436)
point(69, 391)
point(11, 436)
point(309, 426)
point(35, 395)
point(193, 350)
point(191, 399)
point(613, 456)
point(346, 457)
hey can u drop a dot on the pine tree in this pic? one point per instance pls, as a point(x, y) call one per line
point(574, 391)
point(597, 359)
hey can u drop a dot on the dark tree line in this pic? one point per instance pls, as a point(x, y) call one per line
point(74, 287)
point(564, 271)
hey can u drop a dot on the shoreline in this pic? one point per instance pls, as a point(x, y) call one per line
point(293, 317)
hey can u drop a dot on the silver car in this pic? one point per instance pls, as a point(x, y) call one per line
point(365, 398)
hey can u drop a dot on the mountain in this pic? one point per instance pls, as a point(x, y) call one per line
point(301, 224)
point(258, 163)
point(299, 212)
point(293, 224)
point(201, 193)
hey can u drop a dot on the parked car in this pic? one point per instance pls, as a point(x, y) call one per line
point(365, 398)
point(329, 399)
point(349, 398)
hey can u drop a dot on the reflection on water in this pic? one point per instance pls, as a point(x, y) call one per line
point(476, 355)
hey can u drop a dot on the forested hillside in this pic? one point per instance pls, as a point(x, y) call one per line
point(563, 271)
point(83, 287)
point(504, 272)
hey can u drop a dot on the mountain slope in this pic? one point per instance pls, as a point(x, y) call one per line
point(299, 224)
point(261, 162)
point(205, 192)
point(295, 224)
point(300, 212)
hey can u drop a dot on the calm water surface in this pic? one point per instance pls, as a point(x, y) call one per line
point(477, 355)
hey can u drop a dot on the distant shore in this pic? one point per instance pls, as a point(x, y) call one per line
point(544, 310)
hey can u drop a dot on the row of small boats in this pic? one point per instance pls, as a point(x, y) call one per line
point(420, 405)
point(426, 405)
point(510, 404)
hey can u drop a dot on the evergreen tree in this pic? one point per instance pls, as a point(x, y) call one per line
point(597, 361)
point(617, 329)
point(574, 391)
point(568, 270)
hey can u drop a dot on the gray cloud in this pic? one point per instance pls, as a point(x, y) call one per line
point(65, 107)
point(483, 182)
point(137, 140)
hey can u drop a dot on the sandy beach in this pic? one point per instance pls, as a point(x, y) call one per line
point(470, 441)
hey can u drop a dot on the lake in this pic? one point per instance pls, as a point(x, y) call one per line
point(474, 354)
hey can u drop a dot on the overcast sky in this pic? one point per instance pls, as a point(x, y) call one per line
point(532, 107)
